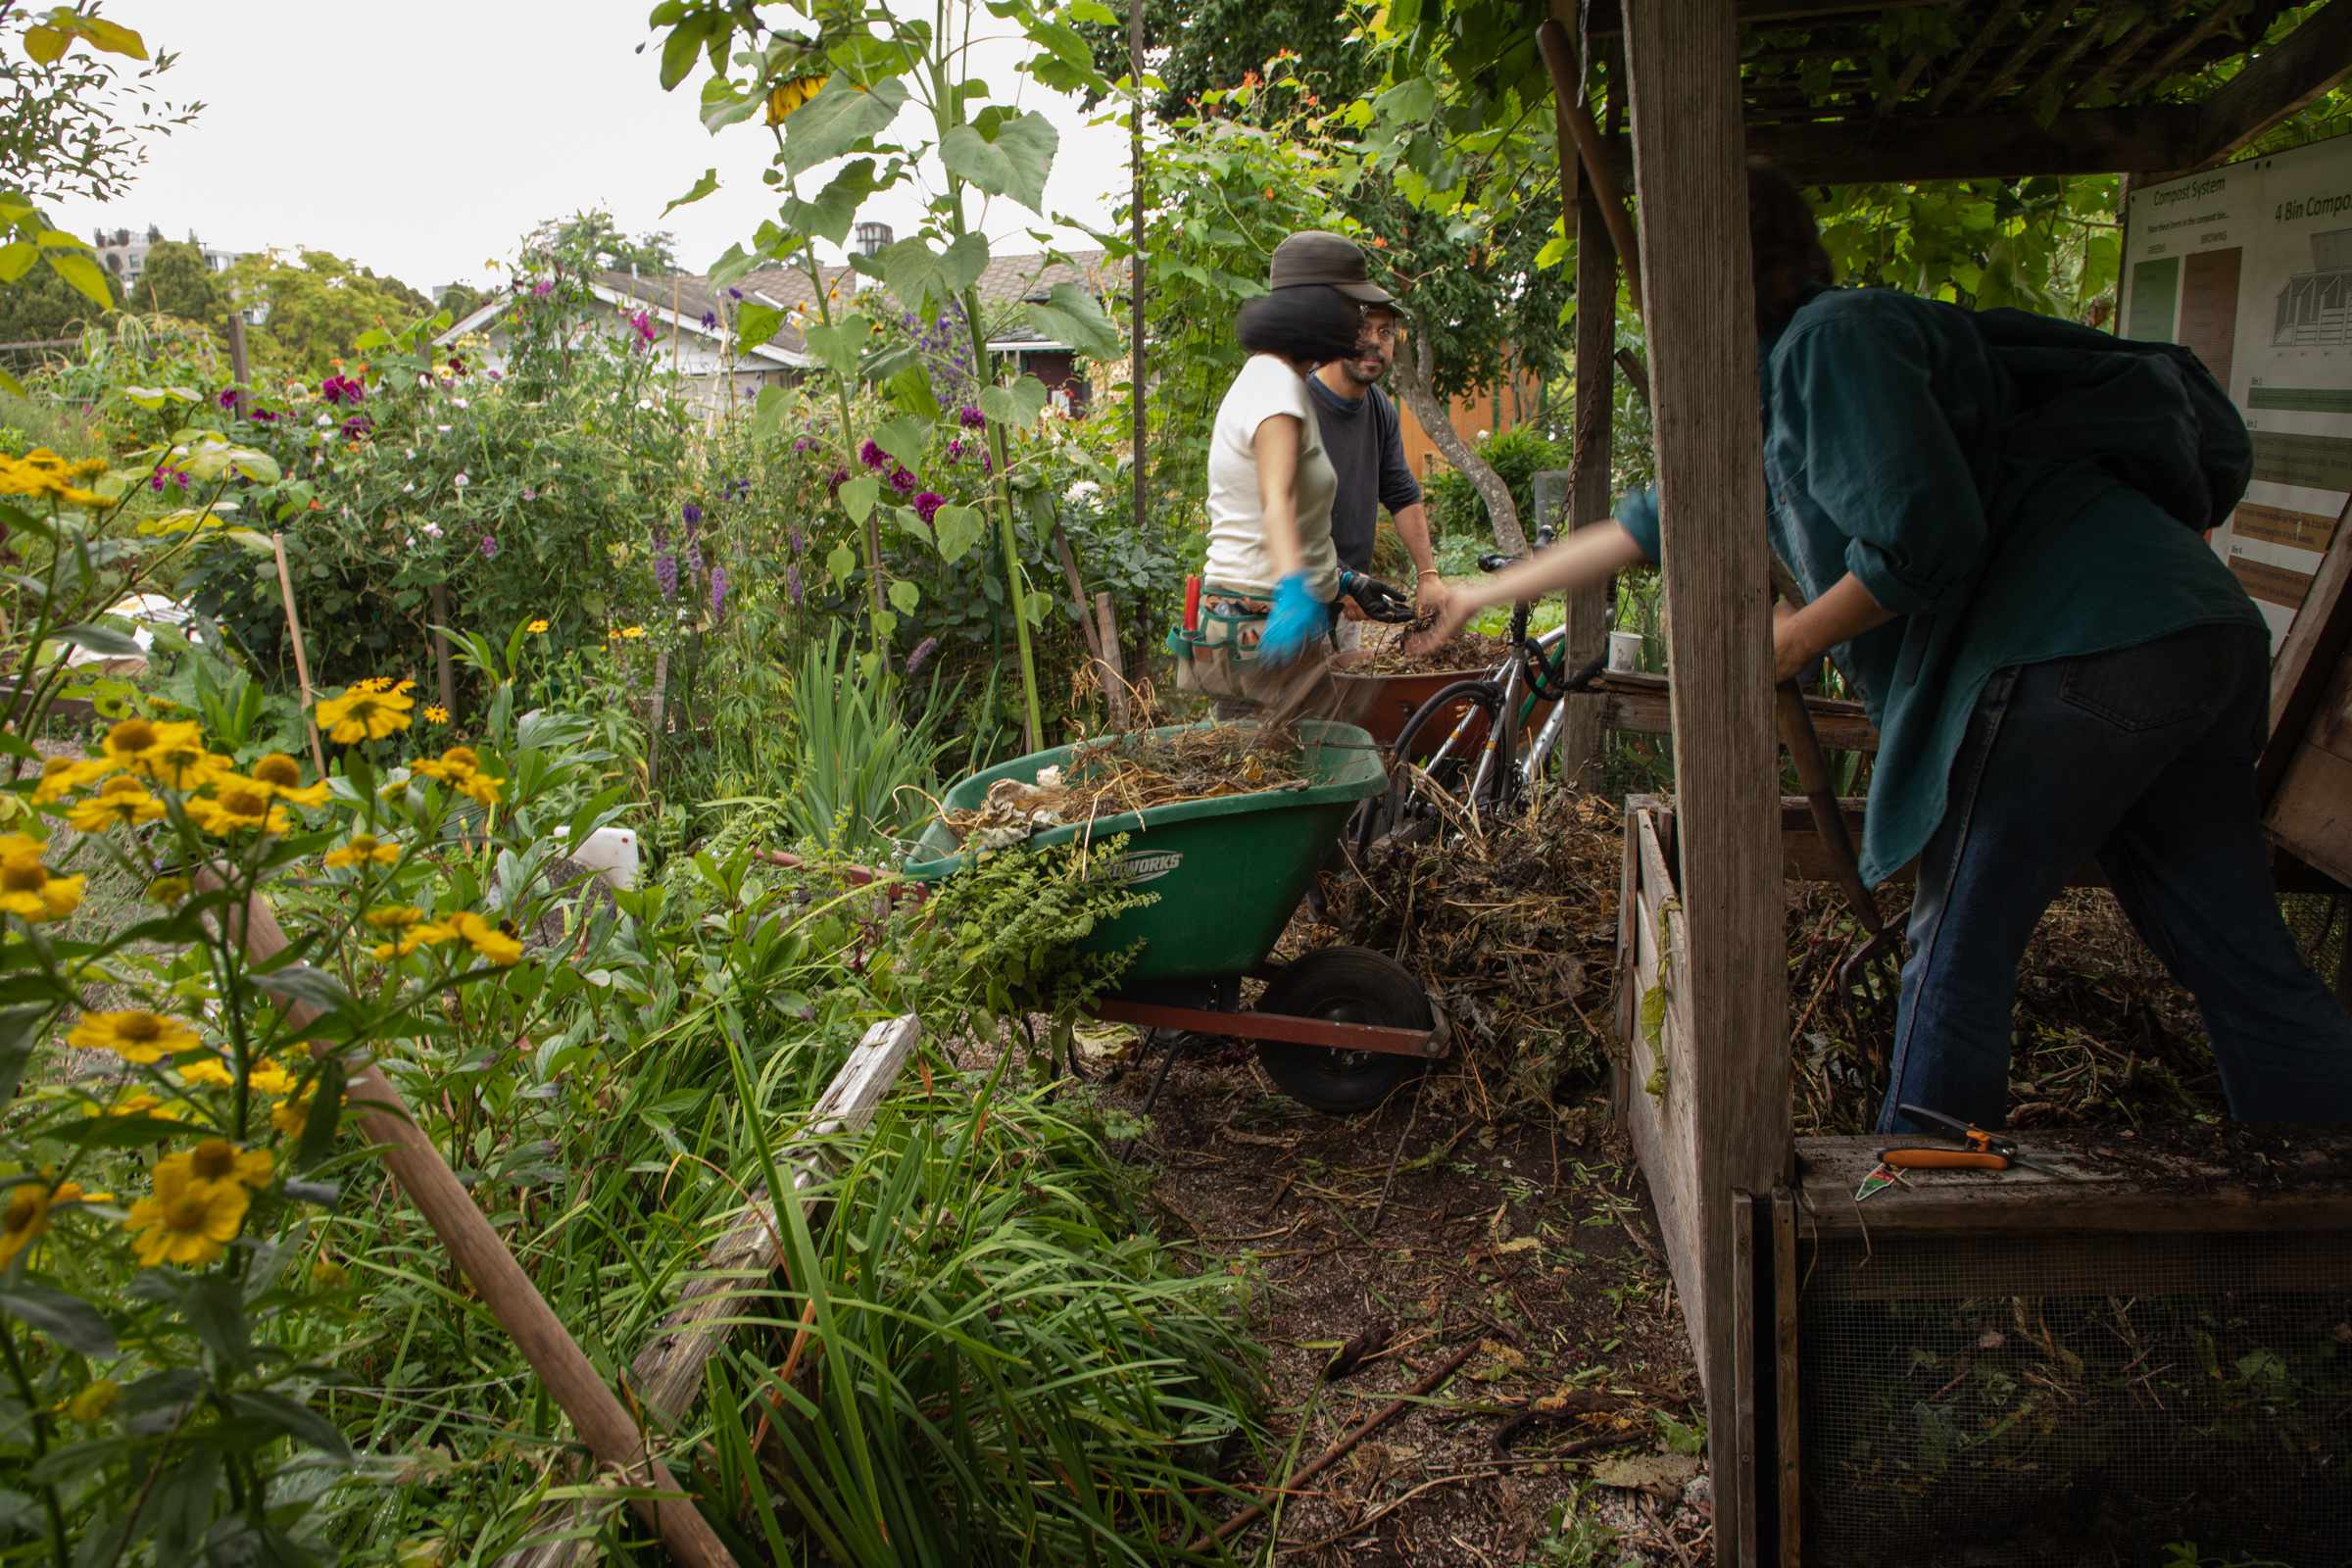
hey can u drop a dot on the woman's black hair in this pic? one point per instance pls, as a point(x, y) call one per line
point(1309, 324)
point(1785, 244)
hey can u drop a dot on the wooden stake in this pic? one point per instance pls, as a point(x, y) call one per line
point(601, 1422)
point(443, 673)
point(302, 658)
point(1114, 664)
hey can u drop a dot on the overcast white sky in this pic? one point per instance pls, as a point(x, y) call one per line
point(422, 139)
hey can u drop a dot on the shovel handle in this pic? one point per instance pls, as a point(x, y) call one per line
point(1943, 1160)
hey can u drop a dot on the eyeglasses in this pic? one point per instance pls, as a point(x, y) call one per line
point(1382, 330)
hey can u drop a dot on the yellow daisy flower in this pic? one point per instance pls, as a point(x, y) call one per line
point(27, 887)
point(632, 633)
point(95, 1399)
point(132, 739)
point(187, 1222)
point(394, 916)
point(60, 776)
point(292, 1117)
point(364, 716)
point(484, 938)
point(237, 805)
point(427, 935)
point(364, 849)
point(216, 1160)
point(180, 761)
point(536, 626)
point(436, 714)
point(123, 803)
point(273, 1079)
point(210, 1070)
point(281, 777)
point(25, 1214)
point(140, 1105)
point(134, 1034)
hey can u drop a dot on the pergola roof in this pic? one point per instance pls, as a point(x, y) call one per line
point(2011, 88)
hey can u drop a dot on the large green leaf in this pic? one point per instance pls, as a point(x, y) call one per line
point(833, 209)
point(905, 439)
point(922, 279)
point(1019, 404)
point(1071, 315)
point(757, 324)
point(723, 106)
point(67, 1319)
point(858, 494)
point(958, 528)
point(17, 258)
point(1004, 154)
point(82, 270)
point(702, 188)
point(840, 344)
point(838, 119)
point(684, 42)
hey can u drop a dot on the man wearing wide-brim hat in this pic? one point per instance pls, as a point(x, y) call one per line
point(1359, 420)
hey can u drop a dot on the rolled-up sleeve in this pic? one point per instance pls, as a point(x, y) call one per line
point(1856, 398)
point(1638, 513)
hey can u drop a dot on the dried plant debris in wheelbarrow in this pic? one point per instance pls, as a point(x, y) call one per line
point(1134, 771)
point(1383, 651)
point(1512, 926)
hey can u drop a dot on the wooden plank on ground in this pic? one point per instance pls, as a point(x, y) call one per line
point(1657, 1064)
point(1691, 188)
point(739, 1268)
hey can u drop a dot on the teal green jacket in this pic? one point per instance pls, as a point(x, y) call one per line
point(1883, 420)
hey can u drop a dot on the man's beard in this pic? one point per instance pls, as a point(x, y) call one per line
point(1366, 373)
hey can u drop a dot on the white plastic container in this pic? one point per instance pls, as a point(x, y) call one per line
point(609, 852)
point(1625, 651)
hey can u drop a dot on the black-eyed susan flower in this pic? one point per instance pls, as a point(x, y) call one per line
point(29, 889)
point(364, 849)
point(485, 938)
point(281, 777)
point(129, 741)
point(24, 1212)
point(274, 1079)
point(363, 715)
point(436, 714)
point(537, 626)
point(179, 760)
point(62, 776)
point(216, 1160)
point(187, 1222)
point(133, 1033)
point(238, 805)
point(142, 1103)
point(394, 916)
point(210, 1071)
point(122, 801)
point(291, 1116)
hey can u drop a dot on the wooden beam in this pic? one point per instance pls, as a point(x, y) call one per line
point(2153, 71)
point(2053, 75)
point(1904, 82)
point(1692, 183)
point(2277, 82)
point(2003, 15)
point(1568, 109)
point(2307, 655)
point(2015, 60)
point(1608, 16)
point(1596, 399)
point(2081, 141)
point(1644, 702)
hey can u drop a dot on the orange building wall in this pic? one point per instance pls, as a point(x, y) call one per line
point(1472, 413)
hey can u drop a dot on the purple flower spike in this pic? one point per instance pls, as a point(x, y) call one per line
point(718, 591)
point(792, 583)
point(709, 319)
point(694, 557)
point(691, 513)
point(734, 293)
point(666, 572)
point(644, 324)
point(798, 540)
point(987, 465)
point(921, 654)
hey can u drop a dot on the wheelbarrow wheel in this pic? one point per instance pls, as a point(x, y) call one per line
point(1345, 985)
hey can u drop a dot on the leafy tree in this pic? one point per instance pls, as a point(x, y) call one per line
point(43, 307)
point(1197, 47)
point(73, 120)
point(318, 306)
point(592, 235)
point(460, 300)
point(177, 281)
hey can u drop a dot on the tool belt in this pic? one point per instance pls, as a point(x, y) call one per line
point(1218, 657)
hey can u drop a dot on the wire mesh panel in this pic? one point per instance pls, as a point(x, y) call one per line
point(2077, 1399)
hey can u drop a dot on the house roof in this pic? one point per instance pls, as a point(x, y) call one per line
point(1004, 285)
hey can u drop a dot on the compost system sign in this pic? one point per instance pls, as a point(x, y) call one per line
point(2251, 266)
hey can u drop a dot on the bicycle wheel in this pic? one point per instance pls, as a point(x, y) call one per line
point(1448, 734)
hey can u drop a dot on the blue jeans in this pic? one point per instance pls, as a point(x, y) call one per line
point(2144, 758)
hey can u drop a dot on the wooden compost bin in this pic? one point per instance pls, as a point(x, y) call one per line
point(2154, 1345)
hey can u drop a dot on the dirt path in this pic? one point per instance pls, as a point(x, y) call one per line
point(1529, 1243)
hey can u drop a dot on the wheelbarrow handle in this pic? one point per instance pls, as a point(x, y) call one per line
point(900, 889)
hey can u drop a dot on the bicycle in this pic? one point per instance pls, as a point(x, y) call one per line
point(1477, 769)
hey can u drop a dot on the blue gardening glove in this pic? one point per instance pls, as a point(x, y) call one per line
point(1297, 617)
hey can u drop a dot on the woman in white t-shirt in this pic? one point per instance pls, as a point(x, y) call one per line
point(1272, 575)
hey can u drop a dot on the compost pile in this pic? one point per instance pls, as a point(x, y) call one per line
point(1383, 651)
point(1513, 929)
point(1134, 771)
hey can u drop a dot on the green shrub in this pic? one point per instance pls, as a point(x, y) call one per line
point(1457, 508)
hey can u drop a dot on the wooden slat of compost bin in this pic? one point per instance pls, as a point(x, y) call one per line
point(738, 1268)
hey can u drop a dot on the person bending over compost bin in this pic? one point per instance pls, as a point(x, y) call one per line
point(1263, 632)
point(1996, 522)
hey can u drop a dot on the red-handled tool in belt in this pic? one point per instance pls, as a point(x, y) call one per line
point(1983, 1151)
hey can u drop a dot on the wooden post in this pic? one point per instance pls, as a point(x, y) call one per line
point(1595, 391)
point(238, 367)
point(1689, 173)
point(302, 658)
point(1114, 664)
point(443, 674)
point(601, 1422)
point(1135, 262)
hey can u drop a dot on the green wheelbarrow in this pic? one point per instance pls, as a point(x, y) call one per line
point(1339, 1028)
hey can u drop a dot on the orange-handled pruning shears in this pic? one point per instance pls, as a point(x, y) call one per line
point(1983, 1151)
